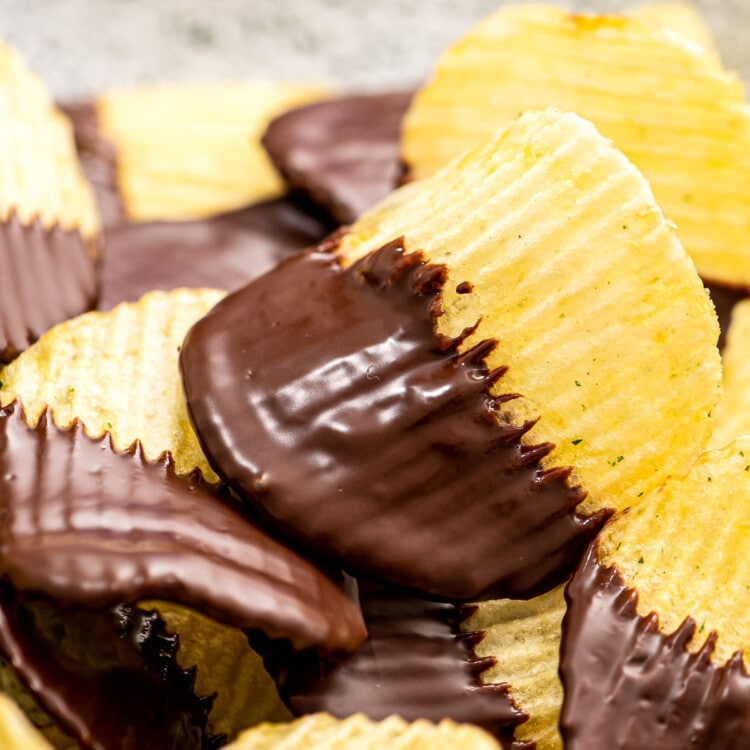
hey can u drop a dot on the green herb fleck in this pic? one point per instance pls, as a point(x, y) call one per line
point(578, 383)
point(624, 226)
point(702, 627)
point(640, 560)
point(710, 479)
point(577, 441)
point(742, 453)
point(640, 494)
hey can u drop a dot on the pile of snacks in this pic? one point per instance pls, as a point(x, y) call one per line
point(441, 479)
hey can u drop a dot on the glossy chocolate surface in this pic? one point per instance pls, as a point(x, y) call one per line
point(327, 400)
point(109, 676)
point(340, 156)
point(222, 252)
point(628, 685)
point(47, 276)
point(415, 664)
point(85, 525)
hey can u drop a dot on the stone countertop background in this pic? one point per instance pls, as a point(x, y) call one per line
point(83, 46)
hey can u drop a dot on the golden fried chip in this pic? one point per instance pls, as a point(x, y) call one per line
point(117, 372)
point(323, 732)
point(685, 550)
point(188, 152)
point(226, 667)
point(732, 414)
point(606, 330)
point(39, 171)
point(663, 100)
point(524, 639)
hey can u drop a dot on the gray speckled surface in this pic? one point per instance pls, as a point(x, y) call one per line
point(83, 46)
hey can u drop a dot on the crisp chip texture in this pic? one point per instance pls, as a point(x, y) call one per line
point(39, 171)
point(524, 639)
point(194, 151)
point(685, 550)
point(323, 732)
point(606, 330)
point(732, 414)
point(226, 667)
point(117, 372)
point(663, 100)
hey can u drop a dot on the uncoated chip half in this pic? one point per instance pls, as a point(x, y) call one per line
point(321, 731)
point(663, 99)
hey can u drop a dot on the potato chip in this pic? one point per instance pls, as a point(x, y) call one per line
point(656, 628)
point(685, 550)
point(732, 414)
point(40, 176)
point(524, 639)
point(117, 372)
point(194, 151)
point(323, 732)
point(662, 99)
point(605, 327)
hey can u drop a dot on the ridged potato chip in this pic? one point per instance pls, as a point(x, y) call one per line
point(663, 100)
point(323, 732)
point(194, 151)
point(600, 317)
point(40, 175)
point(656, 627)
point(117, 373)
point(685, 550)
point(524, 639)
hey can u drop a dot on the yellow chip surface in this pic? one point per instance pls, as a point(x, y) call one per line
point(663, 99)
point(524, 638)
point(194, 151)
point(685, 550)
point(323, 732)
point(600, 317)
point(39, 171)
point(117, 372)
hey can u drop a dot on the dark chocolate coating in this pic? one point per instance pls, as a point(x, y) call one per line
point(326, 399)
point(88, 526)
point(341, 156)
point(628, 685)
point(415, 663)
point(109, 676)
point(48, 276)
point(222, 252)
